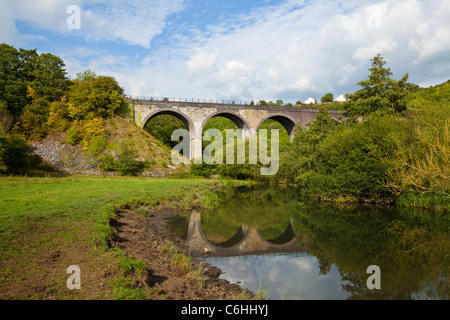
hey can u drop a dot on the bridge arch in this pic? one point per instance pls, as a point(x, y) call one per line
point(287, 122)
point(287, 236)
point(178, 114)
point(233, 241)
point(240, 122)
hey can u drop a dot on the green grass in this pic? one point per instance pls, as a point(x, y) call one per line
point(48, 224)
point(182, 263)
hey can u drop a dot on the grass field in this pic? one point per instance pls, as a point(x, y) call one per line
point(49, 224)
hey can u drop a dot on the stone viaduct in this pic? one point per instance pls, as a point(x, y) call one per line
point(248, 118)
point(247, 241)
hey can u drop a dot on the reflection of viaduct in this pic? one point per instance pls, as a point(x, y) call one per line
point(248, 118)
point(246, 241)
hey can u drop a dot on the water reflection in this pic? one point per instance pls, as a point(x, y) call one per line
point(295, 247)
point(246, 241)
point(283, 276)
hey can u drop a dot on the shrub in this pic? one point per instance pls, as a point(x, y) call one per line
point(31, 125)
point(75, 134)
point(126, 163)
point(96, 146)
point(108, 163)
point(59, 115)
point(14, 154)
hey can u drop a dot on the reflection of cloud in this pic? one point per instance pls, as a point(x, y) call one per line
point(285, 275)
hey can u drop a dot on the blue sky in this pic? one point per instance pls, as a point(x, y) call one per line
point(243, 50)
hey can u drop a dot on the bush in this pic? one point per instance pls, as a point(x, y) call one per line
point(202, 170)
point(75, 134)
point(30, 125)
point(347, 160)
point(108, 163)
point(14, 154)
point(126, 163)
point(327, 98)
point(95, 97)
point(59, 115)
point(96, 146)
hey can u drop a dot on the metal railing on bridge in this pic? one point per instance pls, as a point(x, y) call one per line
point(194, 100)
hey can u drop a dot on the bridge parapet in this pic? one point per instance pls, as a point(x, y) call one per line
point(224, 104)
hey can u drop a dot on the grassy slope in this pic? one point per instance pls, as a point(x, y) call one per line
point(120, 131)
point(121, 134)
point(48, 224)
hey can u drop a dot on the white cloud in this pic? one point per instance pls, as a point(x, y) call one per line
point(134, 22)
point(202, 60)
point(290, 50)
point(7, 26)
point(299, 49)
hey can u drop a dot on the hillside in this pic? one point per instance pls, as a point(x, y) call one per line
point(120, 134)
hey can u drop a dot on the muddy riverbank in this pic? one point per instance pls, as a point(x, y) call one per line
point(144, 236)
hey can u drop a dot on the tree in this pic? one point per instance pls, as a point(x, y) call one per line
point(14, 154)
point(6, 118)
point(59, 115)
point(327, 98)
point(26, 76)
point(49, 77)
point(100, 96)
point(379, 94)
point(13, 89)
point(32, 122)
point(86, 75)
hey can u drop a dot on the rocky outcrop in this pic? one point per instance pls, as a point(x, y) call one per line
point(64, 157)
point(70, 159)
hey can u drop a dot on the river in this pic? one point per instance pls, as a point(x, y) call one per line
point(294, 247)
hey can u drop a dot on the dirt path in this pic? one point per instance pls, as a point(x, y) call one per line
point(144, 237)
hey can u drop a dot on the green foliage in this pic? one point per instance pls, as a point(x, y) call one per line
point(383, 158)
point(13, 89)
point(427, 97)
point(108, 163)
point(97, 97)
point(28, 83)
point(126, 161)
point(75, 134)
point(6, 118)
point(59, 115)
point(202, 170)
point(422, 165)
point(245, 171)
point(49, 77)
point(14, 154)
point(86, 75)
point(96, 146)
point(162, 127)
point(344, 161)
point(32, 121)
point(327, 98)
point(379, 94)
point(128, 265)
